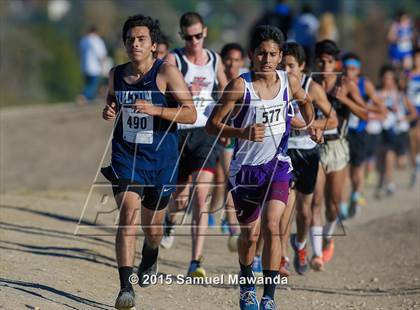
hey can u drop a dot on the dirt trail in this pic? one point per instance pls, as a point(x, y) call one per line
point(47, 166)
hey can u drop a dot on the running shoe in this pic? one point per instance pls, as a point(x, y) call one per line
point(344, 211)
point(212, 220)
point(125, 300)
point(284, 267)
point(224, 226)
point(168, 235)
point(195, 270)
point(257, 265)
point(317, 264)
point(356, 203)
point(248, 297)
point(267, 303)
point(390, 189)
point(300, 261)
point(145, 274)
point(327, 250)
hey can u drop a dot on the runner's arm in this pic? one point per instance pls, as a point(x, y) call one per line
point(303, 99)
point(350, 96)
point(412, 112)
point(379, 112)
point(232, 94)
point(321, 101)
point(109, 111)
point(170, 58)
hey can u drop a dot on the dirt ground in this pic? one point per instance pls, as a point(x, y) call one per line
point(49, 159)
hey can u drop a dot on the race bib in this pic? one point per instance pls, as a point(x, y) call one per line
point(272, 118)
point(353, 121)
point(137, 127)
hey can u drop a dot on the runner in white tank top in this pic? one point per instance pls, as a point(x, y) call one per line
point(203, 73)
point(259, 103)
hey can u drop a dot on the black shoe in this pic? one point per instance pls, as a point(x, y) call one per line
point(125, 299)
point(144, 274)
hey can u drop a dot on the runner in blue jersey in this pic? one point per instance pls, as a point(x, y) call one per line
point(357, 136)
point(146, 98)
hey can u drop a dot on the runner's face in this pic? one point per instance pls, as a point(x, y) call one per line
point(326, 63)
point(388, 80)
point(233, 61)
point(292, 66)
point(352, 72)
point(138, 44)
point(194, 36)
point(266, 57)
point(161, 51)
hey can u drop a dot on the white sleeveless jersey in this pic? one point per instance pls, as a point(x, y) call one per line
point(300, 139)
point(274, 114)
point(202, 82)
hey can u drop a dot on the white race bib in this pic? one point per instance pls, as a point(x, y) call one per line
point(272, 118)
point(137, 127)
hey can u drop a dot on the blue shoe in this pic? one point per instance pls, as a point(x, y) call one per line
point(267, 303)
point(344, 211)
point(212, 221)
point(257, 265)
point(195, 270)
point(224, 226)
point(248, 298)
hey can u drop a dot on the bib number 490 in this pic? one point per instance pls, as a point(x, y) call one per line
point(135, 122)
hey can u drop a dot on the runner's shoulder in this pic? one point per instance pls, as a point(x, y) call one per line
point(236, 86)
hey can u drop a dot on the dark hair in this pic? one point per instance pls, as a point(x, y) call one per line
point(265, 33)
point(306, 9)
point(386, 68)
point(142, 21)
point(416, 50)
point(92, 28)
point(350, 55)
point(232, 46)
point(296, 50)
point(328, 47)
point(163, 39)
point(189, 19)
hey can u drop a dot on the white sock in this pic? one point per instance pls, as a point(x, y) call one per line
point(316, 240)
point(300, 245)
point(328, 229)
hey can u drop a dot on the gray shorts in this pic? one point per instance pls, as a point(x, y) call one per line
point(334, 155)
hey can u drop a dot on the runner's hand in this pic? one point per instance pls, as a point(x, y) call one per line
point(146, 107)
point(108, 113)
point(255, 132)
point(224, 141)
point(316, 135)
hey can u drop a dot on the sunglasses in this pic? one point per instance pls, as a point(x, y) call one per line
point(186, 37)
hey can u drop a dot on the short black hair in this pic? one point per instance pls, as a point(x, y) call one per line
point(266, 33)
point(163, 39)
point(350, 55)
point(386, 68)
point(296, 50)
point(231, 46)
point(189, 19)
point(416, 50)
point(328, 47)
point(142, 21)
